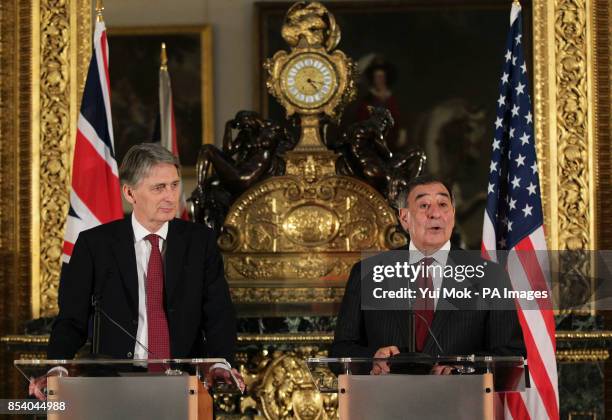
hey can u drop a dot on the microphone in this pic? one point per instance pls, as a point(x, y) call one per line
point(95, 341)
point(431, 334)
point(126, 332)
point(97, 306)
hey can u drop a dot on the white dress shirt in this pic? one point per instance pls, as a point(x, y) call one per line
point(439, 259)
point(143, 251)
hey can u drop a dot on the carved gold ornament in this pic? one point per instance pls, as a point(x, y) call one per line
point(311, 80)
point(311, 22)
point(305, 228)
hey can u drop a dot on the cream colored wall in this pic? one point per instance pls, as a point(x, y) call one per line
point(233, 28)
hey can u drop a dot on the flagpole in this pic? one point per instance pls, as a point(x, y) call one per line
point(99, 10)
point(163, 57)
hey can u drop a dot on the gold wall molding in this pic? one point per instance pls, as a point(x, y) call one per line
point(570, 123)
point(319, 337)
point(574, 140)
point(277, 294)
point(583, 355)
point(15, 175)
point(571, 58)
point(53, 144)
point(62, 59)
point(583, 335)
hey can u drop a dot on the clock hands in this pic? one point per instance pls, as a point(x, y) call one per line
point(314, 83)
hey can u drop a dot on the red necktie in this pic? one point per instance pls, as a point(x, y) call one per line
point(159, 338)
point(424, 307)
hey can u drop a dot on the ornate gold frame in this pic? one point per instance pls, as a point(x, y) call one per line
point(44, 57)
point(206, 57)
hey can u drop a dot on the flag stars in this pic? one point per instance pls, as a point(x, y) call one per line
point(511, 134)
point(529, 117)
point(510, 225)
point(531, 188)
point(490, 189)
point(496, 144)
point(501, 101)
point(527, 210)
point(520, 160)
point(512, 204)
point(513, 60)
point(524, 139)
point(504, 78)
point(518, 39)
point(508, 55)
point(515, 110)
point(519, 89)
point(524, 68)
point(534, 168)
point(498, 123)
point(516, 182)
point(502, 243)
point(493, 167)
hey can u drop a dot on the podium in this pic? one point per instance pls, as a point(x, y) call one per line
point(130, 389)
point(469, 393)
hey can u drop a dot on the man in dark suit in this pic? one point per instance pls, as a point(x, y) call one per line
point(159, 278)
point(428, 215)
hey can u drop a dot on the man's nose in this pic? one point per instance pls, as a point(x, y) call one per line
point(170, 194)
point(434, 212)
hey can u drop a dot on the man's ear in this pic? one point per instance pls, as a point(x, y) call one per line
point(128, 194)
point(404, 218)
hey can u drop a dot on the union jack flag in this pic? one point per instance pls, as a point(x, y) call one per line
point(513, 222)
point(95, 197)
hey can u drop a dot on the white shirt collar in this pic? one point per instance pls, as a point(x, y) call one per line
point(140, 231)
point(440, 256)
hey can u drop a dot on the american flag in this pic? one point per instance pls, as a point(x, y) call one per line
point(95, 197)
point(513, 221)
point(167, 124)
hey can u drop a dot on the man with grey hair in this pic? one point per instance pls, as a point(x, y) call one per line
point(158, 280)
point(441, 326)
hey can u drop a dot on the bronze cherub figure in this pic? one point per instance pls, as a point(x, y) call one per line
point(251, 156)
point(365, 154)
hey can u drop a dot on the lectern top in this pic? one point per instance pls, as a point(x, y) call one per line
point(202, 368)
point(508, 371)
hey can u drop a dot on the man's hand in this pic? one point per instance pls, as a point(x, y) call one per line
point(38, 385)
point(380, 367)
point(37, 388)
point(442, 370)
point(224, 375)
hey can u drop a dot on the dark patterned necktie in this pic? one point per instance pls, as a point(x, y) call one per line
point(159, 338)
point(424, 307)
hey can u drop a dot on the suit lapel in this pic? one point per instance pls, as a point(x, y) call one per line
point(175, 255)
point(123, 250)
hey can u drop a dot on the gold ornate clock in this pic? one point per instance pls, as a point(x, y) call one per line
point(311, 80)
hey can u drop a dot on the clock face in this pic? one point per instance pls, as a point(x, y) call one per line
point(309, 80)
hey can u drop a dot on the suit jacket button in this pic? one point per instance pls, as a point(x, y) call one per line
point(129, 354)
